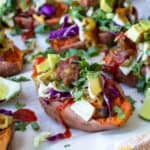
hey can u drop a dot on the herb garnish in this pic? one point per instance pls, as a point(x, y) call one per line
point(19, 105)
point(132, 101)
point(20, 79)
point(119, 112)
point(35, 126)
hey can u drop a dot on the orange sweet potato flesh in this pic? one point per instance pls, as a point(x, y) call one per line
point(12, 63)
point(14, 56)
point(60, 45)
point(126, 107)
point(5, 138)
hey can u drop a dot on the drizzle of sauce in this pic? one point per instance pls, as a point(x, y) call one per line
point(67, 132)
point(25, 115)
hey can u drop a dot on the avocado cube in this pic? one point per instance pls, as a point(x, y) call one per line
point(53, 60)
point(145, 24)
point(107, 5)
point(43, 67)
point(94, 86)
point(134, 33)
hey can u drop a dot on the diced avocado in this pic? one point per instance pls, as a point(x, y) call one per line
point(145, 25)
point(43, 67)
point(134, 33)
point(47, 76)
point(107, 5)
point(145, 111)
point(53, 60)
point(94, 85)
point(8, 89)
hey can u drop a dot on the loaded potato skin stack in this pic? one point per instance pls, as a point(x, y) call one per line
point(94, 105)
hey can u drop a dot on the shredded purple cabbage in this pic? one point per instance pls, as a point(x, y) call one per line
point(64, 32)
point(6, 112)
point(59, 94)
point(47, 10)
point(56, 137)
point(67, 30)
point(110, 93)
point(66, 22)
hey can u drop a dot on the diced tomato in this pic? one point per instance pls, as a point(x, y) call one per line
point(25, 115)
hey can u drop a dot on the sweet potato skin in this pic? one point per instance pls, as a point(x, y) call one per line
point(8, 69)
point(6, 137)
point(12, 63)
point(73, 120)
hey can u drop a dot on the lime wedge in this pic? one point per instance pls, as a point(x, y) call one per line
point(145, 109)
point(3, 90)
point(8, 89)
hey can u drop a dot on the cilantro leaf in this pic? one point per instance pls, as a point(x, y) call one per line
point(20, 79)
point(19, 105)
point(119, 112)
point(132, 101)
point(78, 94)
point(16, 31)
point(35, 126)
point(21, 126)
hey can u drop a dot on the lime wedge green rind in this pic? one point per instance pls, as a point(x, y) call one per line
point(145, 109)
point(8, 89)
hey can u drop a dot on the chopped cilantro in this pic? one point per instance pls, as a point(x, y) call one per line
point(141, 85)
point(78, 94)
point(137, 69)
point(21, 126)
point(132, 101)
point(35, 126)
point(67, 145)
point(19, 105)
point(119, 112)
point(19, 79)
point(16, 31)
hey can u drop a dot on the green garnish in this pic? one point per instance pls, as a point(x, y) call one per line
point(16, 31)
point(78, 94)
point(137, 69)
point(132, 101)
point(41, 29)
point(119, 112)
point(21, 126)
point(90, 52)
point(67, 145)
point(20, 79)
point(35, 126)
point(19, 105)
